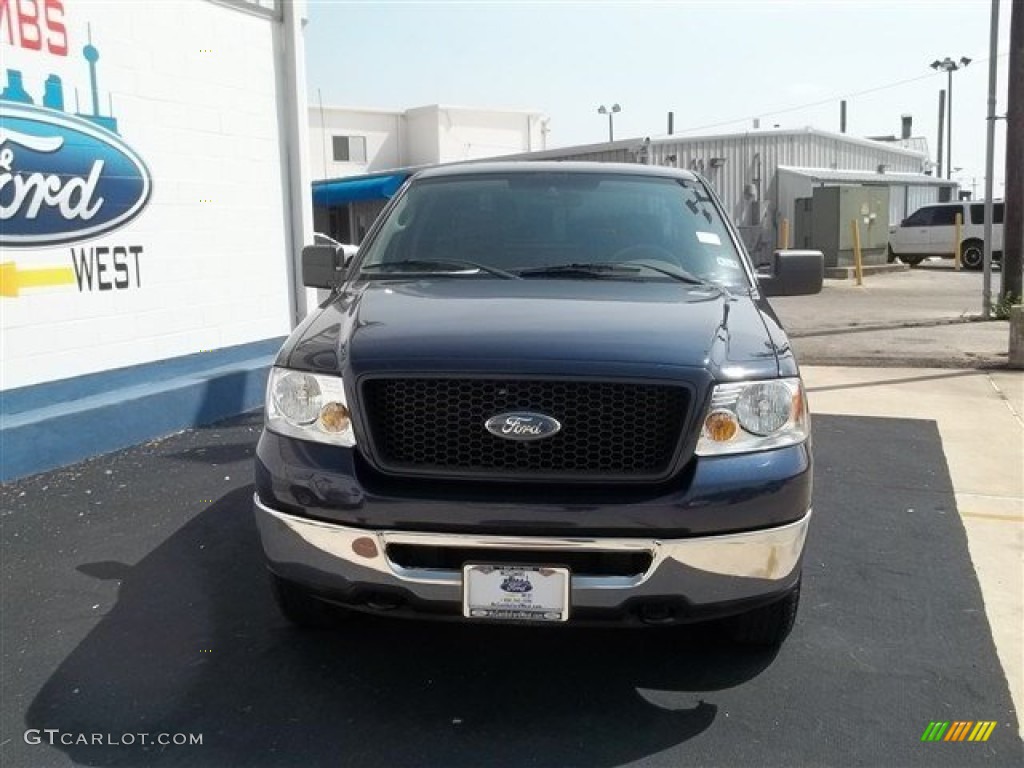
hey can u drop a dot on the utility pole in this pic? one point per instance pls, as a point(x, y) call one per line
point(942, 128)
point(1013, 226)
point(990, 148)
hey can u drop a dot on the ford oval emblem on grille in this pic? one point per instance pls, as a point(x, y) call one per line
point(522, 425)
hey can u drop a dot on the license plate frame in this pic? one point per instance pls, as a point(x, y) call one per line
point(497, 592)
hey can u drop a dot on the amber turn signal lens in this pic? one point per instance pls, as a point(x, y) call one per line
point(364, 546)
point(334, 417)
point(720, 426)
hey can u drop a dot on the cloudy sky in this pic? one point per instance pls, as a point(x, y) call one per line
point(716, 65)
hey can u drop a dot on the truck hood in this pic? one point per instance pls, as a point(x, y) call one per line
point(560, 326)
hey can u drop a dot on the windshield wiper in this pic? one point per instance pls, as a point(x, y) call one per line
point(584, 269)
point(684, 276)
point(441, 266)
point(671, 270)
point(599, 268)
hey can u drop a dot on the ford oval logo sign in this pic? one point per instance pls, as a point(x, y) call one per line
point(63, 178)
point(522, 425)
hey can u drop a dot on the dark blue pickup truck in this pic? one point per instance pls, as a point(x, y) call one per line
point(542, 392)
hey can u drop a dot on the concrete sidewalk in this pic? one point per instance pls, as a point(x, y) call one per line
point(921, 318)
point(980, 418)
point(955, 345)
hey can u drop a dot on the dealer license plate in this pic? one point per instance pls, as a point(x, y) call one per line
point(515, 592)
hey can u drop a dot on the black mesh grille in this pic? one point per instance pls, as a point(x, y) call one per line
point(609, 429)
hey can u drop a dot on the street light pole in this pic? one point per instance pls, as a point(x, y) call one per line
point(603, 110)
point(990, 142)
point(949, 125)
point(949, 66)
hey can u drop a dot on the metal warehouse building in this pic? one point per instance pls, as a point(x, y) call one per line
point(762, 174)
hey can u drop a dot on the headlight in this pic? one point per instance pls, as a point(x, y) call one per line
point(308, 406)
point(754, 416)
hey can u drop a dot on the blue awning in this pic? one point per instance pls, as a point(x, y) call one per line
point(342, 191)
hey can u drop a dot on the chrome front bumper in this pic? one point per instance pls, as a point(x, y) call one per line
point(695, 572)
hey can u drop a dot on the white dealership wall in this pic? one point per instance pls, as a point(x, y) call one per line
point(150, 224)
point(196, 87)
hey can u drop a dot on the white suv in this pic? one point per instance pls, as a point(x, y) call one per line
point(931, 231)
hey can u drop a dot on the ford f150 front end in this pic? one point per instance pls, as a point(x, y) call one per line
point(542, 393)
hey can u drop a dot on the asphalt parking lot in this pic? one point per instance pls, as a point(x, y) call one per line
point(134, 601)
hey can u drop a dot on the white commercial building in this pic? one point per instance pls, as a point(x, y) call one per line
point(347, 142)
point(154, 190)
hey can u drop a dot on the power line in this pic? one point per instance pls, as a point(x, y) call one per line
point(822, 102)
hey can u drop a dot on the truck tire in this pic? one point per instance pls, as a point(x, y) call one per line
point(912, 260)
point(302, 609)
point(972, 254)
point(768, 626)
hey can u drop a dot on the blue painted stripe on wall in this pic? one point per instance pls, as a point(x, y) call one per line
point(78, 387)
point(123, 407)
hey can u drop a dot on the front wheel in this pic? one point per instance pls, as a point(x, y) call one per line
point(767, 626)
point(972, 254)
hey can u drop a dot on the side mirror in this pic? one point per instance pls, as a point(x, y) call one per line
point(322, 266)
point(792, 273)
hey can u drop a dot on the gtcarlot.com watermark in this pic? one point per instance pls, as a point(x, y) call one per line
point(56, 737)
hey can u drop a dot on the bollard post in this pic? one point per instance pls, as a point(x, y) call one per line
point(858, 264)
point(1017, 337)
point(956, 245)
point(784, 235)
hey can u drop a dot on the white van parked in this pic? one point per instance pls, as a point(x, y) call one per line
point(931, 231)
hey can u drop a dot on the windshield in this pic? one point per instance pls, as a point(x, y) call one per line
point(522, 223)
